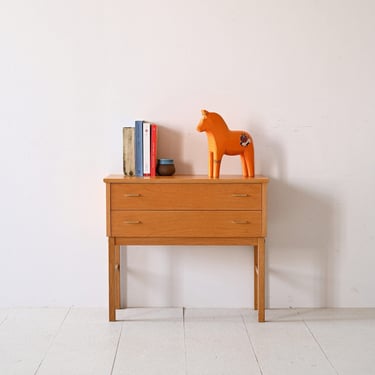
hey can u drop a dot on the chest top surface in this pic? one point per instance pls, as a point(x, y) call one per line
point(185, 179)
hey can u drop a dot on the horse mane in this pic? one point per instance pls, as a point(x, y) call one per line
point(217, 121)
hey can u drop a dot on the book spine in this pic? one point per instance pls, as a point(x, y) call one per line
point(138, 145)
point(154, 148)
point(146, 148)
point(128, 150)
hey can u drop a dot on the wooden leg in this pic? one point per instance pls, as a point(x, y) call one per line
point(261, 280)
point(114, 278)
point(256, 277)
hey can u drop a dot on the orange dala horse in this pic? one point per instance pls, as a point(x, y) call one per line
point(223, 141)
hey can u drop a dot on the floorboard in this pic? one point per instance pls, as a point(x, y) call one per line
point(284, 345)
point(217, 343)
point(152, 342)
point(85, 344)
point(26, 336)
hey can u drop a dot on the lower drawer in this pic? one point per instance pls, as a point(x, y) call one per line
point(186, 223)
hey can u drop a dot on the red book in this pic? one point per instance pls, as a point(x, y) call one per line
point(154, 146)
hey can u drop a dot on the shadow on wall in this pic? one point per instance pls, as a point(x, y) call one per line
point(302, 226)
point(302, 238)
point(191, 276)
point(170, 146)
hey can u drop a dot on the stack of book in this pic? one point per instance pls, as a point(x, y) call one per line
point(140, 149)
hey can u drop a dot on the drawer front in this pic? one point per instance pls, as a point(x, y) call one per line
point(186, 223)
point(186, 196)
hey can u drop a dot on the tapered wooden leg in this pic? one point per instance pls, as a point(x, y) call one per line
point(261, 280)
point(114, 278)
point(256, 277)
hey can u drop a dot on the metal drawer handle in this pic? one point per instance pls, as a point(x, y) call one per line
point(132, 222)
point(240, 222)
point(132, 195)
point(240, 195)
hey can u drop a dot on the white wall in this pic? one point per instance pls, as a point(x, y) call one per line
point(299, 75)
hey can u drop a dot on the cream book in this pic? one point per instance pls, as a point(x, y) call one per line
point(128, 150)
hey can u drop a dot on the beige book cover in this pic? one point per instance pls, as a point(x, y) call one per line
point(128, 150)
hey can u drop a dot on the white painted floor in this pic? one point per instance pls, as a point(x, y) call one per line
point(79, 341)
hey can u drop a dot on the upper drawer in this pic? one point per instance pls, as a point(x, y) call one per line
point(186, 196)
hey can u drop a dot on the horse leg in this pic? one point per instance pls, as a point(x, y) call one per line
point(249, 157)
point(217, 168)
point(210, 163)
point(217, 162)
point(244, 166)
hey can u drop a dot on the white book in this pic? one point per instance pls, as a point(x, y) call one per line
point(146, 149)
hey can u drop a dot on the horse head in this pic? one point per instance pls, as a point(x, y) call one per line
point(210, 121)
point(202, 126)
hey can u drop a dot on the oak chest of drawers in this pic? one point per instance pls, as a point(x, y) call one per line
point(186, 210)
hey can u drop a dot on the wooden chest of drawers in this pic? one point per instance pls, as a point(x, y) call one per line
point(186, 210)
